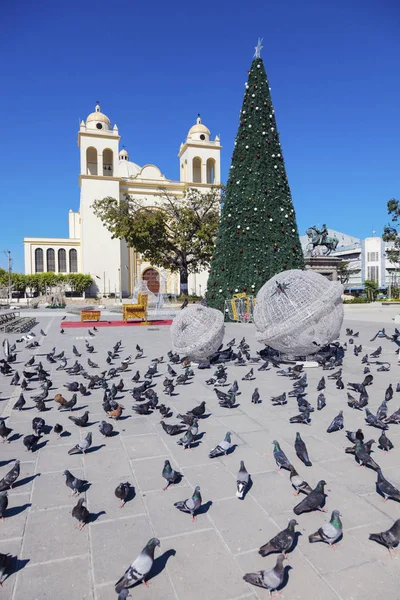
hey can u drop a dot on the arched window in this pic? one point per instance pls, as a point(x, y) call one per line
point(108, 168)
point(62, 261)
point(196, 170)
point(73, 261)
point(91, 161)
point(50, 260)
point(211, 170)
point(38, 260)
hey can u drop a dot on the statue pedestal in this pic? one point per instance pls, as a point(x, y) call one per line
point(324, 265)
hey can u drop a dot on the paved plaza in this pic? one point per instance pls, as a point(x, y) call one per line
point(205, 559)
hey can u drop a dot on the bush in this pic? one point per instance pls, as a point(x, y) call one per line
point(357, 301)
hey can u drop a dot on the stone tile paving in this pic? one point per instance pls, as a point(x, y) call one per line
point(205, 559)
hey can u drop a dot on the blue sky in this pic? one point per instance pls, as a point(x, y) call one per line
point(333, 69)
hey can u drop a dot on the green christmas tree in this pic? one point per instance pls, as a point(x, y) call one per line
point(258, 235)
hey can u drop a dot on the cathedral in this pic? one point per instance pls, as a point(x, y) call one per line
point(105, 170)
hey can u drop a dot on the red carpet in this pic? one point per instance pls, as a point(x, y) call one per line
point(90, 324)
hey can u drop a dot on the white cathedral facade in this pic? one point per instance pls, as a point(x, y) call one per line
point(105, 170)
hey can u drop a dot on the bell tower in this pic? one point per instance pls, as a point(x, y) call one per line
point(200, 157)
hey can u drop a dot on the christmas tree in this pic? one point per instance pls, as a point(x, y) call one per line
point(258, 234)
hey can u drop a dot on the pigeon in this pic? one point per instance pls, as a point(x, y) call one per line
point(249, 376)
point(336, 424)
point(352, 436)
point(122, 492)
point(255, 398)
point(75, 351)
point(321, 402)
point(115, 413)
point(139, 569)
point(280, 457)
point(187, 440)
point(302, 418)
point(11, 477)
point(191, 505)
point(70, 404)
point(92, 364)
point(81, 514)
point(313, 501)
point(82, 445)
point(269, 580)
point(381, 413)
point(384, 442)
point(329, 532)
point(223, 447)
point(5, 566)
point(3, 505)
point(374, 421)
point(170, 475)
point(389, 538)
point(363, 457)
point(106, 429)
point(172, 429)
point(321, 384)
point(394, 417)
point(282, 542)
point(30, 442)
point(242, 481)
point(301, 450)
point(38, 425)
point(15, 379)
point(20, 403)
point(298, 482)
point(279, 400)
point(389, 393)
point(383, 486)
point(80, 421)
point(91, 333)
point(72, 387)
point(198, 411)
point(4, 430)
point(74, 483)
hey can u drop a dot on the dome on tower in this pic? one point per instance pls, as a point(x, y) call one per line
point(199, 131)
point(123, 155)
point(98, 120)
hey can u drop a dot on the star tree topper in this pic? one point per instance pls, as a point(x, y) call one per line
point(258, 48)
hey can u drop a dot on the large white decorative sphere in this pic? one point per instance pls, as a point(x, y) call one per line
point(297, 311)
point(197, 332)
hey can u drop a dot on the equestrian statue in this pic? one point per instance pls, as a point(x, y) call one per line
point(319, 237)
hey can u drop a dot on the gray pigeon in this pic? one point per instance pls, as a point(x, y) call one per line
point(330, 532)
point(301, 450)
point(191, 505)
point(336, 424)
point(122, 492)
point(223, 447)
point(313, 501)
point(170, 475)
point(242, 481)
point(74, 483)
point(298, 482)
point(11, 477)
point(3, 504)
point(5, 566)
point(186, 440)
point(82, 445)
point(282, 542)
point(269, 580)
point(140, 567)
point(384, 442)
point(280, 457)
point(385, 488)
point(81, 513)
point(389, 538)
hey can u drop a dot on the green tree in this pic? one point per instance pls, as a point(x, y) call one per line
point(344, 271)
point(391, 235)
point(176, 233)
point(371, 288)
point(258, 235)
point(79, 282)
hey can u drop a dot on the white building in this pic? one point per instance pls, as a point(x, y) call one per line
point(105, 170)
point(366, 260)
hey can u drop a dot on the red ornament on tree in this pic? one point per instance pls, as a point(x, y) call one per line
point(245, 289)
point(282, 231)
point(241, 250)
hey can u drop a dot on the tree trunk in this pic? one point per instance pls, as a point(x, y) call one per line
point(183, 276)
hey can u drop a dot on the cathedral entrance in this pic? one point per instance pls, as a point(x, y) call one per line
point(153, 280)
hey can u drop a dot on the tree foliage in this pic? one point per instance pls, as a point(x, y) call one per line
point(344, 271)
point(391, 232)
point(176, 233)
point(371, 288)
point(40, 282)
point(258, 235)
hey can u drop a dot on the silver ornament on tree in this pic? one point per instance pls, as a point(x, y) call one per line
point(197, 332)
point(297, 311)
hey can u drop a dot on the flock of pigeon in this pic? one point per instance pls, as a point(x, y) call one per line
point(177, 371)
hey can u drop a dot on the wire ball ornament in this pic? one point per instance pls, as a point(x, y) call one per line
point(298, 311)
point(197, 332)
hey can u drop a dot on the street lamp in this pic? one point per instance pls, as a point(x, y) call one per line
point(120, 286)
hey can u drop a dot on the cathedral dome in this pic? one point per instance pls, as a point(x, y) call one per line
point(126, 168)
point(98, 120)
point(199, 131)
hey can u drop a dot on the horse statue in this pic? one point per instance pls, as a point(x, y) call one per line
point(321, 238)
